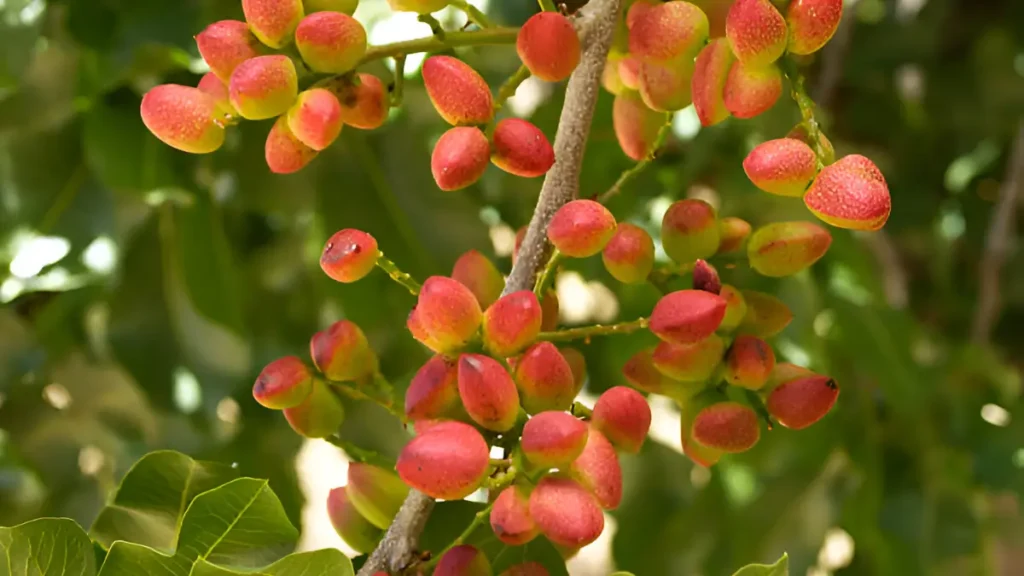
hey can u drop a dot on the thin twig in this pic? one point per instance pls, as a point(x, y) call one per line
point(435, 44)
point(397, 549)
point(588, 332)
point(998, 243)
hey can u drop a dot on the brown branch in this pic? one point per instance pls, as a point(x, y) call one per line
point(997, 243)
point(397, 551)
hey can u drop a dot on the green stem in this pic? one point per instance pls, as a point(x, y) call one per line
point(805, 103)
point(473, 13)
point(579, 410)
point(398, 92)
point(477, 522)
point(397, 275)
point(435, 26)
point(636, 169)
point(357, 454)
point(757, 403)
point(546, 275)
point(547, 5)
point(508, 89)
point(587, 332)
point(489, 36)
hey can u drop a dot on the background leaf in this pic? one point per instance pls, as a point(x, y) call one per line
point(47, 547)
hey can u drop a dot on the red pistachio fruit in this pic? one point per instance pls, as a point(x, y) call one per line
point(342, 353)
point(629, 255)
point(670, 31)
point(785, 166)
point(548, 46)
point(735, 308)
point(364, 103)
point(463, 560)
point(752, 90)
point(802, 401)
point(732, 232)
point(448, 460)
point(459, 158)
point(273, 21)
point(315, 118)
point(459, 94)
point(488, 392)
point(785, 248)
point(349, 255)
point(226, 44)
point(448, 312)
point(665, 87)
point(433, 392)
point(687, 316)
point(756, 32)
point(476, 272)
point(766, 315)
point(566, 512)
point(377, 493)
point(553, 439)
point(184, 118)
point(636, 126)
point(512, 323)
point(263, 87)
point(544, 379)
point(350, 525)
point(284, 152)
point(283, 383)
point(319, 415)
point(749, 363)
point(623, 416)
point(510, 517)
point(812, 24)
point(852, 194)
point(520, 148)
point(689, 230)
point(597, 468)
point(331, 42)
point(708, 84)
point(695, 362)
point(705, 277)
point(581, 228)
point(727, 426)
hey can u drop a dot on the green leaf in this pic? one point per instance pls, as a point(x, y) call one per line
point(47, 547)
point(152, 498)
point(780, 568)
point(240, 525)
point(328, 562)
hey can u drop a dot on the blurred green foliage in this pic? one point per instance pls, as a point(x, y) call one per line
point(182, 276)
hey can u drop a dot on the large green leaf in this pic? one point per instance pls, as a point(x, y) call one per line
point(239, 525)
point(151, 501)
point(320, 563)
point(780, 568)
point(46, 547)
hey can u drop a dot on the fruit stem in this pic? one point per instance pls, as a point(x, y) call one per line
point(473, 13)
point(547, 5)
point(579, 410)
point(547, 274)
point(508, 89)
point(397, 275)
point(587, 332)
point(478, 521)
point(496, 35)
point(806, 105)
point(398, 92)
point(357, 454)
point(757, 403)
point(636, 169)
point(435, 26)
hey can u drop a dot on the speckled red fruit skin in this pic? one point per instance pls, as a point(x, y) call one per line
point(749, 363)
point(812, 23)
point(687, 316)
point(785, 248)
point(666, 87)
point(459, 158)
point(708, 85)
point(852, 194)
point(689, 230)
point(349, 255)
point(476, 272)
point(706, 278)
point(448, 312)
point(216, 88)
point(727, 426)
point(364, 105)
point(597, 468)
point(512, 323)
point(566, 512)
point(510, 517)
point(756, 32)
point(636, 126)
point(766, 315)
point(463, 560)
point(263, 87)
point(351, 526)
point(273, 21)
point(548, 46)
point(784, 166)
point(553, 439)
point(226, 44)
point(629, 72)
point(545, 379)
point(581, 228)
point(315, 118)
point(695, 362)
point(732, 232)
point(638, 9)
point(520, 148)
point(342, 353)
point(751, 91)
point(284, 153)
point(802, 401)
point(640, 371)
point(459, 94)
point(623, 416)
point(183, 117)
point(448, 460)
point(283, 383)
point(331, 42)
point(319, 415)
point(578, 364)
point(629, 255)
point(434, 390)
point(669, 31)
point(488, 392)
